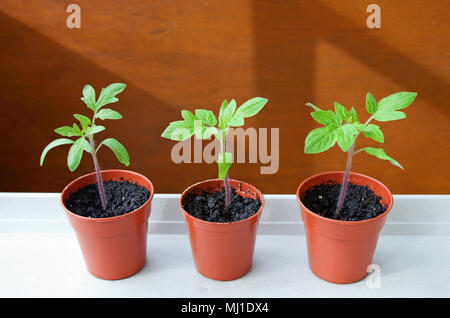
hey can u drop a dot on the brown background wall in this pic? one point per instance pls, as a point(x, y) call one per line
point(189, 54)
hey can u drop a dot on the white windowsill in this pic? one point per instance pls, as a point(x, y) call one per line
point(40, 256)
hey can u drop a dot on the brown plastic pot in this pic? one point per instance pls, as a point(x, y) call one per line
point(223, 251)
point(340, 251)
point(115, 247)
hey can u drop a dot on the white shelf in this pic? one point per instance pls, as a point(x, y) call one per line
point(40, 256)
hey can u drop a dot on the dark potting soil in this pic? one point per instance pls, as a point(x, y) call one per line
point(360, 202)
point(121, 197)
point(210, 206)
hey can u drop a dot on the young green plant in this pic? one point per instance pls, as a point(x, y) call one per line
point(85, 135)
point(203, 124)
point(343, 127)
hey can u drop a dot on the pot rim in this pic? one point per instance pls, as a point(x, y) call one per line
point(340, 222)
point(258, 192)
point(112, 218)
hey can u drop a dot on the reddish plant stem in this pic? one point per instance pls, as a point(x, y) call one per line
point(98, 174)
point(227, 191)
point(348, 166)
point(226, 180)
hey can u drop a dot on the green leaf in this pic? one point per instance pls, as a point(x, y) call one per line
point(67, 131)
point(326, 117)
point(75, 154)
point(206, 116)
point(202, 131)
point(226, 113)
point(179, 130)
point(371, 104)
point(346, 136)
point(188, 116)
point(89, 96)
point(353, 115)
point(312, 106)
point(389, 115)
point(381, 154)
point(95, 129)
point(320, 140)
point(251, 107)
point(86, 145)
point(53, 144)
point(224, 163)
point(388, 107)
point(77, 130)
point(236, 121)
point(371, 131)
point(396, 101)
point(118, 149)
point(341, 112)
point(107, 95)
point(209, 131)
point(84, 121)
point(108, 113)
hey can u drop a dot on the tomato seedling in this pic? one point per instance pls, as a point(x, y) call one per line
point(85, 135)
point(343, 127)
point(203, 124)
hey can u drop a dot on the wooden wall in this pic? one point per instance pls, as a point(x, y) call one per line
point(186, 54)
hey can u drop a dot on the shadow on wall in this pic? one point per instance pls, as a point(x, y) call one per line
point(37, 70)
point(273, 27)
point(287, 34)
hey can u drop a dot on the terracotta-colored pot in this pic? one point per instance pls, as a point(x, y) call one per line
point(340, 251)
point(115, 247)
point(223, 251)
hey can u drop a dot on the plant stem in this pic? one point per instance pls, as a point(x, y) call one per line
point(227, 191)
point(98, 173)
point(345, 178)
point(226, 180)
point(350, 153)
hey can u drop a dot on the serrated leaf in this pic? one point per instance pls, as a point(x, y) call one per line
point(95, 129)
point(188, 116)
point(53, 144)
point(179, 130)
point(381, 154)
point(107, 95)
point(371, 131)
point(224, 163)
point(108, 113)
point(84, 121)
point(326, 117)
point(320, 140)
point(388, 107)
point(67, 131)
point(396, 101)
point(353, 115)
point(236, 121)
point(86, 145)
point(371, 104)
point(209, 131)
point(77, 130)
point(118, 149)
point(206, 116)
point(75, 154)
point(389, 115)
point(89, 96)
point(227, 110)
point(341, 111)
point(346, 136)
point(251, 107)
